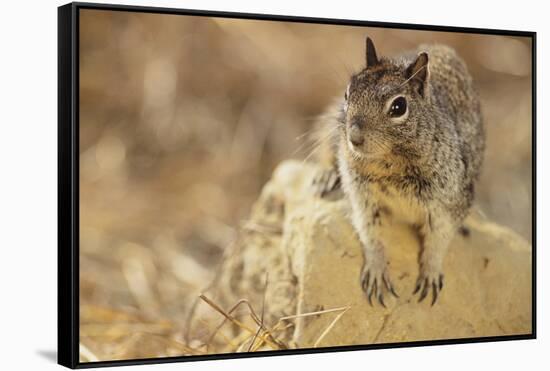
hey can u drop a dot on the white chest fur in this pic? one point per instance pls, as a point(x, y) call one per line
point(402, 208)
point(367, 197)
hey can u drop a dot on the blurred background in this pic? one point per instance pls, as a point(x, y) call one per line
point(183, 119)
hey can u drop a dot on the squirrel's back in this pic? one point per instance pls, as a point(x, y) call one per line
point(453, 93)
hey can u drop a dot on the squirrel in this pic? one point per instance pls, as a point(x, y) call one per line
point(405, 143)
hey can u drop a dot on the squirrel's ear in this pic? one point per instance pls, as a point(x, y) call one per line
point(370, 54)
point(418, 73)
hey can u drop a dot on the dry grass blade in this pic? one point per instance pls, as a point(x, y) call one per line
point(256, 319)
point(238, 323)
point(308, 314)
point(229, 251)
point(176, 344)
point(270, 331)
point(233, 309)
point(225, 338)
point(329, 327)
point(261, 325)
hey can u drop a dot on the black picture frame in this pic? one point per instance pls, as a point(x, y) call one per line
point(68, 181)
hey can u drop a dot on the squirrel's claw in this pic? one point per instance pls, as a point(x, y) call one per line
point(436, 288)
point(381, 300)
point(373, 285)
point(424, 292)
point(371, 291)
point(389, 286)
point(426, 284)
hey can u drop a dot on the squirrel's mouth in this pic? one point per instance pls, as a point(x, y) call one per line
point(363, 149)
point(357, 149)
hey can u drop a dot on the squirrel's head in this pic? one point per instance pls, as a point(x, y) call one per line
point(384, 105)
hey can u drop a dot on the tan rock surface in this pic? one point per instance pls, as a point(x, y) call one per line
point(313, 258)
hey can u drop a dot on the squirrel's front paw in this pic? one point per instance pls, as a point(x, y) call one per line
point(326, 181)
point(375, 279)
point(429, 279)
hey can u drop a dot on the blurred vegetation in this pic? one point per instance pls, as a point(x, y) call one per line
point(183, 119)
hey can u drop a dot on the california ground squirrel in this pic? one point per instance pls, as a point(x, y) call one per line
point(408, 146)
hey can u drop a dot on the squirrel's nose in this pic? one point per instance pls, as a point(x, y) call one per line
point(356, 132)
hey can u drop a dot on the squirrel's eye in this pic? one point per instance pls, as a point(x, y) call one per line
point(398, 107)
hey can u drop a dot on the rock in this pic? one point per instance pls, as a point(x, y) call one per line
point(312, 258)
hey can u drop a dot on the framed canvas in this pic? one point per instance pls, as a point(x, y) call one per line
point(239, 185)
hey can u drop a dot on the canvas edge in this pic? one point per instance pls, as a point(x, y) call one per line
point(67, 202)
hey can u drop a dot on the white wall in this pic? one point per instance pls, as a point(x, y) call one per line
point(28, 155)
